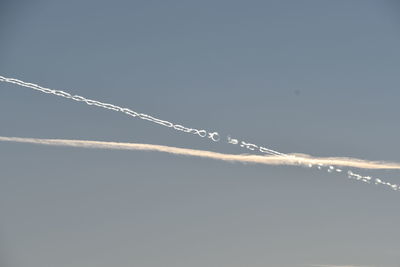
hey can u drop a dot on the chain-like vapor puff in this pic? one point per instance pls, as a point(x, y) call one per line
point(214, 136)
point(302, 160)
point(127, 111)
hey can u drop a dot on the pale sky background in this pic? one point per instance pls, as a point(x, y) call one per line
point(318, 77)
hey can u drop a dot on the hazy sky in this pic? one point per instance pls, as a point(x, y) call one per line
point(317, 77)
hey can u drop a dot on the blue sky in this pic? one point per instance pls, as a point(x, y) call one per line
point(317, 77)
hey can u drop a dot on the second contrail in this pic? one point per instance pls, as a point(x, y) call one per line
point(298, 160)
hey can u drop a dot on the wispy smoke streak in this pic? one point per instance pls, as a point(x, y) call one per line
point(299, 160)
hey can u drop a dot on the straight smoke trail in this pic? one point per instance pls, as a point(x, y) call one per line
point(298, 160)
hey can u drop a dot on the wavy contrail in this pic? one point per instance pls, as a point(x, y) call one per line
point(214, 136)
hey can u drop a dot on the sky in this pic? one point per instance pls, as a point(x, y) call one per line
point(314, 77)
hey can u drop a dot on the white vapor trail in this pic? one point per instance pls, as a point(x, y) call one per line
point(214, 136)
point(294, 159)
point(330, 265)
point(300, 159)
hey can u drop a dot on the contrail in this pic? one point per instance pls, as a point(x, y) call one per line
point(299, 160)
point(214, 136)
point(293, 159)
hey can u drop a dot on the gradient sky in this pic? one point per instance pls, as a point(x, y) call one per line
point(317, 77)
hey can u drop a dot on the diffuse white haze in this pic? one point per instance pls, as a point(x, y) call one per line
point(275, 158)
point(296, 160)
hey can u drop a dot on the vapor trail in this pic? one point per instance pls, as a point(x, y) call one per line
point(214, 136)
point(276, 158)
point(298, 160)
